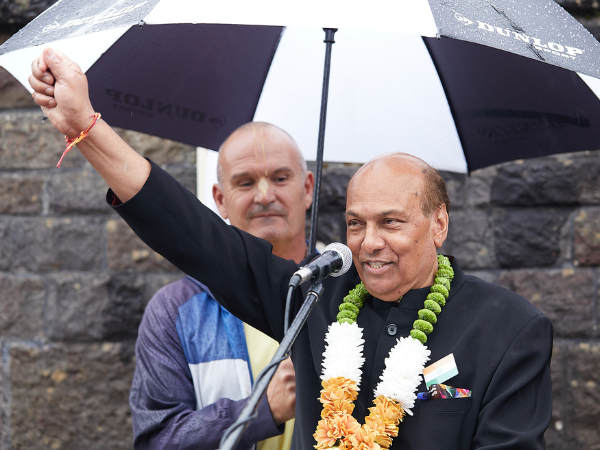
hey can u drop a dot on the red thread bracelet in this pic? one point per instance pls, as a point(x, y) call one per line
point(76, 140)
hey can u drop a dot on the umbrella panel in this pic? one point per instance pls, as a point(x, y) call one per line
point(537, 29)
point(508, 107)
point(73, 18)
point(199, 80)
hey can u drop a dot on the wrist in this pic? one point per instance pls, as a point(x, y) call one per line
point(80, 123)
point(72, 141)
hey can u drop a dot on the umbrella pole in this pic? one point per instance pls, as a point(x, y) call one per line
point(329, 35)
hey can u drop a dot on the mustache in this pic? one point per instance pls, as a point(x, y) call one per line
point(259, 209)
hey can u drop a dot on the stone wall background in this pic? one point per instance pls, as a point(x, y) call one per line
point(74, 280)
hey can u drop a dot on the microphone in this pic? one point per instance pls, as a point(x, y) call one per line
point(335, 261)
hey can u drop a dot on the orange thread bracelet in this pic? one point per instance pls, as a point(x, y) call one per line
point(76, 140)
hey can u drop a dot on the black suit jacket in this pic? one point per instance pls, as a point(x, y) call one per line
point(501, 343)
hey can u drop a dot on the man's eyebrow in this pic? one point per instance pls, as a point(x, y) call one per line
point(381, 214)
point(237, 176)
point(392, 211)
point(284, 169)
point(251, 174)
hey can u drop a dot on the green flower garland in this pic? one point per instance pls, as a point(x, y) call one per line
point(353, 302)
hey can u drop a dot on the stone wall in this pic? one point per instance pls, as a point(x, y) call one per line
point(74, 279)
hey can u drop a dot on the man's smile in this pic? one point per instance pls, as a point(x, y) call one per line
point(375, 266)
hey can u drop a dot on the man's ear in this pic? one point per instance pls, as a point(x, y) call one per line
point(440, 225)
point(309, 187)
point(220, 200)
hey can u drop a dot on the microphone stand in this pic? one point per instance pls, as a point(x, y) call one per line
point(232, 436)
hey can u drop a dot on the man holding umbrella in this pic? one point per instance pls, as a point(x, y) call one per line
point(490, 348)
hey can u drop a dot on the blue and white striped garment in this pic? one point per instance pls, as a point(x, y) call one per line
point(216, 352)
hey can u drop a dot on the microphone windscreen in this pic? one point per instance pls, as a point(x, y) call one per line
point(344, 253)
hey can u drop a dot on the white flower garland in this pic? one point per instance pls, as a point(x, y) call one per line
point(343, 353)
point(343, 357)
point(403, 370)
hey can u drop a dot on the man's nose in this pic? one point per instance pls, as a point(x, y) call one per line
point(373, 240)
point(264, 192)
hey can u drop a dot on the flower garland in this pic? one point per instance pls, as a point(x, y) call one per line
point(395, 394)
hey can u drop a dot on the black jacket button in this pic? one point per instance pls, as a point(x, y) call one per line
point(392, 329)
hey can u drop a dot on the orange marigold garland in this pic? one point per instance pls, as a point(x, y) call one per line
point(341, 373)
point(338, 428)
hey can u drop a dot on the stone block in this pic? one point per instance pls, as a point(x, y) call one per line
point(20, 193)
point(334, 183)
point(470, 239)
point(45, 244)
point(125, 251)
point(21, 306)
point(27, 143)
point(161, 151)
point(331, 226)
point(528, 237)
point(456, 186)
point(94, 306)
point(586, 237)
point(579, 5)
point(70, 396)
point(565, 296)
point(22, 12)
point(5, 244)
point(583, 402)
point(535, 182)
point(587, 167)
point(80, 191)
point(479, 187)
point(12, 93)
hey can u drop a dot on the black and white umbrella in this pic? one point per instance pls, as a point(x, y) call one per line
point(164, 68)
point(461, 83)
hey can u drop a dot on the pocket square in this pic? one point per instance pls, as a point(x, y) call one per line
point(442, 391)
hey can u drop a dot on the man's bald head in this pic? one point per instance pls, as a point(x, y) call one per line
point(252, 133)
point(434, 186)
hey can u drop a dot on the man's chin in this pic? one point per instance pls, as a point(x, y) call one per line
point(379, 288)
point(269, 230)
point(265, 221)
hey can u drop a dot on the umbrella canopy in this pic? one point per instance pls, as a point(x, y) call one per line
point(166, 68)
point(456, 104)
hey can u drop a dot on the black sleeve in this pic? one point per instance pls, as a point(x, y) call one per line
point(232, 263)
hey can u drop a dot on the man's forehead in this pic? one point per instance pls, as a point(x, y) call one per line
point(267, 160)
point(388, 175)
point(247, 144)
point(384, 190)
point(375, 209)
